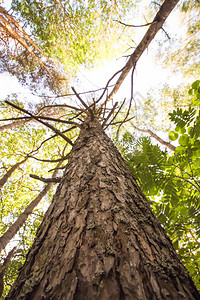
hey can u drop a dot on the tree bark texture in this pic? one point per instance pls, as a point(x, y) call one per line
point(99, 238)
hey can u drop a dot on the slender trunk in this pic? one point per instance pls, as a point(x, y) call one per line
point(13, 229)
point(14, 124)
point(163, 13)
point(4, 267)
point(155, 136)
point(5, 178)
point(99, 238)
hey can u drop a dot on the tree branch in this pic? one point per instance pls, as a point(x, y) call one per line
point(47, 180)
point(110, 113)
point(128, 25)
point(84, 104)
point(46, 124)
point(155, 136)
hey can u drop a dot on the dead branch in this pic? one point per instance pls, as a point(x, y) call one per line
point(71, 95)
point(129, 25)
point(63, 105)
point(59, 121)
point(88, 109)
point(110, 113)
point(119, 109)
point(46, 124)
point(167, 35)
point(47, 180)
point(122, 122)
point(50, 160)
point(107, 85)
point(14, 119)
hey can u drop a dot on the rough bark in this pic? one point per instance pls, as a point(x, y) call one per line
point(99, 238)
point(13, 229)
point(155, 136)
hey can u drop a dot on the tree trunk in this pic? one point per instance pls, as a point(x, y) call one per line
point(99, 238)
point(13, 229)
point(4, 267)
point(8, 174)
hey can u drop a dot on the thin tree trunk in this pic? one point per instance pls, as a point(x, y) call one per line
point(14, 124)
point(4, 267)
point(5, 178)
point(99, 238)
point(155, 136)
point(163, 13)
point(10, 233)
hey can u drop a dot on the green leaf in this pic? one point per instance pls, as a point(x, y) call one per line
point(184, 140)
point(180, 149)
point(196, 101)
point(173, 135)
point(196, 84)
point(183, 211)
point(180, 130)
point(175, 245)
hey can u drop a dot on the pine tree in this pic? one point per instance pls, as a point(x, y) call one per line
point(99, 238)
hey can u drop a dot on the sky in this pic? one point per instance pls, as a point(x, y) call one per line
point(148, 74)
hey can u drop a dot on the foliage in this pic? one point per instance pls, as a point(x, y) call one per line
point(171, 180)
point(185, 55)
point(70, 33)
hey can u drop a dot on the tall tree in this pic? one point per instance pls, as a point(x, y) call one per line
point(99, 238)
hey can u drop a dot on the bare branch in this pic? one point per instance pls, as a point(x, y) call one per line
point(50, 160)
point(84, 104)
point(63, 105)
point(116, 113)
point(166, 33)
point(59, 120)
point(47, 180)
point(110, 113)
point(122, 122)
point(46, 124)
point(107, 85)
point(155, 136)
point(128, 25)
